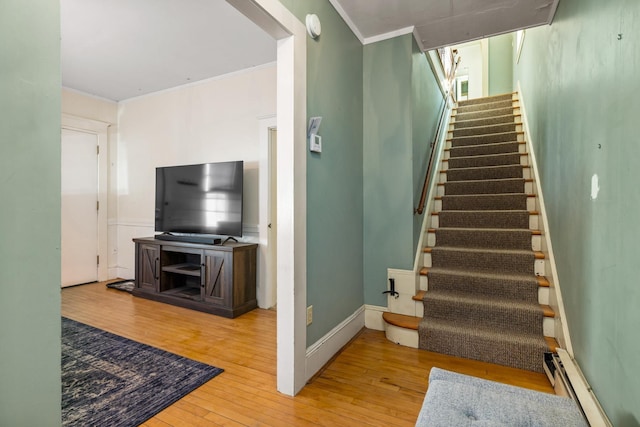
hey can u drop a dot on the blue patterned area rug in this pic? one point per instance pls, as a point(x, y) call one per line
point(108, 380)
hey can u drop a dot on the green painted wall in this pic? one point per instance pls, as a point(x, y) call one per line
point(334, 177)
point(580, 86)
point(401, 105)
point(30, 213)
point(427, 101)
point(500, 64)
point(388, 179)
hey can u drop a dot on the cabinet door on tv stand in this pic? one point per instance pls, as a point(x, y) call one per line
point(148, 267)
point(217, 281)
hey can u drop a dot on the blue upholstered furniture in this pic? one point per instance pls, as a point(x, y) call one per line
point(460, 400)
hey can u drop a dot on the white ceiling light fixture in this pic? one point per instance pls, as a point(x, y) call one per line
point(313, 25)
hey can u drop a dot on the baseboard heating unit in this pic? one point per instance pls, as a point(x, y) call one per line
point(568, 380)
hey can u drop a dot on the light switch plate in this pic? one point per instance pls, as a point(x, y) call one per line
point(315, 143)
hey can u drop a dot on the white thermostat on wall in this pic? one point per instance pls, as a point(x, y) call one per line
point(315, 140)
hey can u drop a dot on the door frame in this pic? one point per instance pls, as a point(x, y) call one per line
point(290, 33)
point(267, 297)
point(101, 131)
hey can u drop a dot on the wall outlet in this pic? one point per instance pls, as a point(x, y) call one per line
point(309, 315)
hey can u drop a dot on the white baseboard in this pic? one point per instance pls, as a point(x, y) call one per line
point(319, 353)
point(125, 273)
point(113, 273)
point(373, 317)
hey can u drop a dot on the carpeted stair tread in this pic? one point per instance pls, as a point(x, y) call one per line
point(489, 238)
point(487, 99)
point(482, 311)
point(482, 298)
point(533, 232)
point(483, 260)
point(536, 254)
point(507, 201)
point(475, 115)
point(488, 186)
point(484, 139)
point(461, 124)
point(484, 129)
point(484, 219)
point(485, 160)
point(487, 172)
point(523, 351)
point(508, 286)
point(541, 281)
point(491, 105)
point(484, 149)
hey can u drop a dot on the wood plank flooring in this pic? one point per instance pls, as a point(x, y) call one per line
point(372, 382)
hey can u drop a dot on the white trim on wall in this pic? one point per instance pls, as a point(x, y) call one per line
point(519, 43)
point(347, 19)
point(321, 352)
point(275, 19)
point(484, 43)
point(389, 35)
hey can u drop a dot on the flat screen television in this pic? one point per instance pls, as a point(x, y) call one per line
point(200, 199)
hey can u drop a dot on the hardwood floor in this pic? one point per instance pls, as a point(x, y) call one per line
point(372, 382)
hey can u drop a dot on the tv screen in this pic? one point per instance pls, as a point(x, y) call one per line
point(200, 199)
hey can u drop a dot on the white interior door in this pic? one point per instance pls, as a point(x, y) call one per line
point(79, 216)
point(272, 267)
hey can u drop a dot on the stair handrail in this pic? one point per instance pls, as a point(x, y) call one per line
point(448, 93)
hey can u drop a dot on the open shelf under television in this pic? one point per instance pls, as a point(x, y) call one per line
point(218, 279)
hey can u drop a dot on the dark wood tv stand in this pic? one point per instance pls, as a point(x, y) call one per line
point(217, 279)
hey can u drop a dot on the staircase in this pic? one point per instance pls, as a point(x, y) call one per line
point(482, 287)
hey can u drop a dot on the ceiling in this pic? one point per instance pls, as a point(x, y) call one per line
point(441, 23)
point(120, 49)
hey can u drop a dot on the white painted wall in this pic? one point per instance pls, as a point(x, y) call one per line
point(210, 121)
point(472, 65)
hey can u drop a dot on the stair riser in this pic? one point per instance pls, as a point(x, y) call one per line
point(492, 265)
point(482, 173)
point(402, 336)
point(464, 141)
point(489, 263)
point(533, 223)
point(479, 115)
point(497, 120)
point(462, 109)
point(453, 189)
point(529, 206)
point(409, 337)
point(484, 150)
point(485, 129)
point(487, 100)
point(483, 161)
point(543, 293)
point(536, 241)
